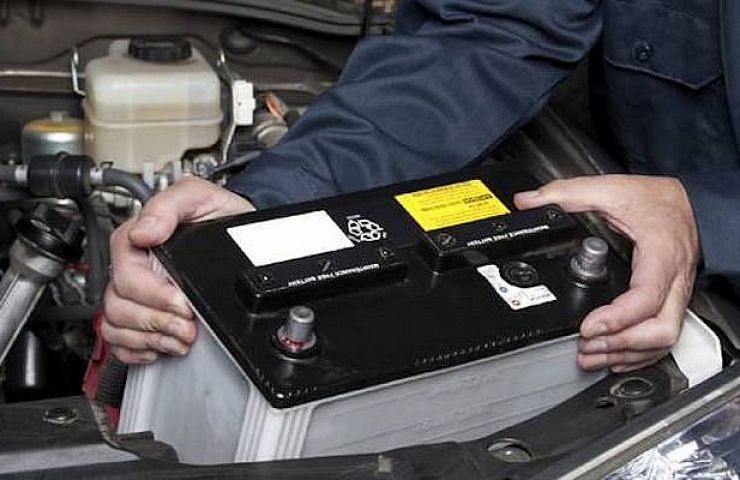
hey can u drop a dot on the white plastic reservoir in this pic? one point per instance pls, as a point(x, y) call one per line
point(150, 100)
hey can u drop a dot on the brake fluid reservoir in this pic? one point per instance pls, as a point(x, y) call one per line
point(150, 100)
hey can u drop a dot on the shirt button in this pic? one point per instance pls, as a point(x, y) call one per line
point(642, 51)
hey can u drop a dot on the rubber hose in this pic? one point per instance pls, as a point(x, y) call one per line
point(7, 174)
point(118, 178)
point(113, 373)
point(8, 195)
point(98, 266)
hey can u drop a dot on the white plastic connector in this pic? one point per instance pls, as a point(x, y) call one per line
point(243, 102)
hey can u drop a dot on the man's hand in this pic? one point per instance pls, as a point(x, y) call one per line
point(640, 326)
point(144, 314)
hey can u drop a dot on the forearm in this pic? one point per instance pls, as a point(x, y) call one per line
point(434, 97)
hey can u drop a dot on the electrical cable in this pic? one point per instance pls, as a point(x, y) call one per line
point(234, 164)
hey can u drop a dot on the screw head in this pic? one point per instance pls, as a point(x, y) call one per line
point(266, 279)
point(446, 240)
point(553, 214)
point(509, 451)
point(386, 253)
point(499, 226)
point(325, 265)
point(60, 416)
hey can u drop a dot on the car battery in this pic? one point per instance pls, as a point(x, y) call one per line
point(421, 312)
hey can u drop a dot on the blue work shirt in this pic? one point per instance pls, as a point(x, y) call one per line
point(459, 75)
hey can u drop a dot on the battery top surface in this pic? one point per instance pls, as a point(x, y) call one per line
point(399, 280)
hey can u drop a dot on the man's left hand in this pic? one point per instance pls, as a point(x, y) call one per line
point(640, 326)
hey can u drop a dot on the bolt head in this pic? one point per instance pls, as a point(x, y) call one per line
point(499, 226)
point(60, 416)
point(446, 240)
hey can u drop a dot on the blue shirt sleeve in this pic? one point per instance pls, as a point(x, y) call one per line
point(715, 198)
point(454, 79)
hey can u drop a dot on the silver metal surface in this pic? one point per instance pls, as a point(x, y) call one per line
point(297, 334)
point(74, 63)
point(60, 416)
point(649, 437)
point(20, 289)
point(269, 129)
point(589, 264)
point(705, 450)
point(51, 135)
point(509, 451)
point(96, 176)
point(20, 73)
point(27, 356)
point(21, 175)
point(230, 78)
point(204, 164)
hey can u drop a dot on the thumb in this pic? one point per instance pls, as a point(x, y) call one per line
point(152, 229)
point(185, 201)
point(579, 194)
point(529, 199)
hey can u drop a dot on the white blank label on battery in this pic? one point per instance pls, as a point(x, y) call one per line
point(289, 238)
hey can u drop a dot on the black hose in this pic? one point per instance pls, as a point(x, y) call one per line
point(7, 174)
point(274, 39)
point(64, 314)
point(118, 178)
point(10, 195)
point(97, 279)
point(113, 373)
point(238, 162)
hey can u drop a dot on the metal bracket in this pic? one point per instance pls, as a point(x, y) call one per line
point(242, 103)
point(74, 63)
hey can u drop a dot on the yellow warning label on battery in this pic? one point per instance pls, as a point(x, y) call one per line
point(451, 205)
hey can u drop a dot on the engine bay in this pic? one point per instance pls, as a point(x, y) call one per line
point(105, 103)
point(159, 93)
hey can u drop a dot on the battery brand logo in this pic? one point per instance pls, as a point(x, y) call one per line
point(360, 229)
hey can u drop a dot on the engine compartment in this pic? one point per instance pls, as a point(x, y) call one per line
point(279, 60)
point(276, 70)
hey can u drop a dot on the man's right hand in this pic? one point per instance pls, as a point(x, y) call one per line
point(145, 315)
